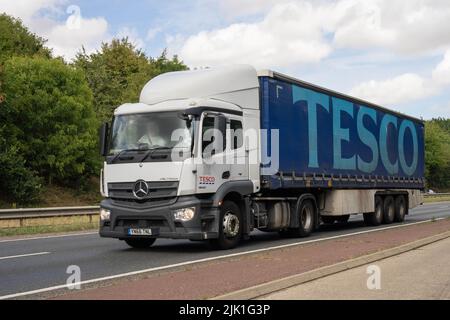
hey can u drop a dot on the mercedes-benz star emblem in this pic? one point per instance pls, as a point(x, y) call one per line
point(140, 189)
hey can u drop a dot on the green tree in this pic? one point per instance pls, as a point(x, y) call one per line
point(48, 113)
point(437, 155)
point(118, 72)
point(17, 40)
point(17, 182)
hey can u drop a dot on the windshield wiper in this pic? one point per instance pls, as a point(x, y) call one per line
point(150, 152)
point(122, 152)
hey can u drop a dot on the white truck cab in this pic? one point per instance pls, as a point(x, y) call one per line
point(157, 177)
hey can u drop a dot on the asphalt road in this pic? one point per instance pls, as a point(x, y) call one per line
point(32, 264)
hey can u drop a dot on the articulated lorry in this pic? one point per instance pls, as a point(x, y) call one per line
point(214, 154)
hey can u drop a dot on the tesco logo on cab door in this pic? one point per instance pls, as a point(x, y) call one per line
point(207, 180)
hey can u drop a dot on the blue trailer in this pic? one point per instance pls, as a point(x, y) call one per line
point(330, 140)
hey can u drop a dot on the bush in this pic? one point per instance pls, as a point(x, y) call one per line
point(17, 183)
point(48, 112)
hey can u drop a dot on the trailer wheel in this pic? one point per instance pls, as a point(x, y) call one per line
point(375, 218)
point(230, 227)
point(306, 215)
point(388, 210)
point(140, 243)
point(401, 208)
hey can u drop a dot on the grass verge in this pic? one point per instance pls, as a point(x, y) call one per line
point(4, 232)
point(436, 199)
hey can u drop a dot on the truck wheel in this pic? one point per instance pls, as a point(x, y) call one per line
point(343, 219)
point(141, 243)
point(230, 227)
point(328, 219)
point(375, 218)
point(388, 210)
point(401, 208)
point(306, 215)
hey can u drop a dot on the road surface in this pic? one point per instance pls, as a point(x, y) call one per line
point(31, 264)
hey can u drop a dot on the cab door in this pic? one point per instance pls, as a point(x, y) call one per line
point(237, 152)
point(212, 167)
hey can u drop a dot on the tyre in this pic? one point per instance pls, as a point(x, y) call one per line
point(343, 219)
point(388, 210)
point(140, 243)
point(328, 219)
point(230, 227)
point(306, 215)
point(375, 218)
point(401, 208)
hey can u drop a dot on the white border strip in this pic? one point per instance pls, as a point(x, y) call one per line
point(24, 255)
point(181, 264)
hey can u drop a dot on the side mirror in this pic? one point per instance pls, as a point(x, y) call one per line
point(220, 125)
point(104, 131)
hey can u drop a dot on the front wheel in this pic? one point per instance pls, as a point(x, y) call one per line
point(140, 243)
point(230, 227)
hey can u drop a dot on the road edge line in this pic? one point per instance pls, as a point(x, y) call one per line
point(267, 288)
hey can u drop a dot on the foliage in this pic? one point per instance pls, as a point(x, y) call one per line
point(48, 114)
point(17, 182)
point(437, 153)
point(17, 40)
point(118, 72)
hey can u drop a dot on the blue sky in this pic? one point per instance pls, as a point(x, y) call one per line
point(392, 52)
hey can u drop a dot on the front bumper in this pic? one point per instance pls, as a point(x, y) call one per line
point(203, 226)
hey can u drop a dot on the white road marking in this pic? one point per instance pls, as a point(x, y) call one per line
point(24, 255)
point(50, 237)
point(181, 264)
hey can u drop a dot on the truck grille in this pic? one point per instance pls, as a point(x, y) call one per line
point(160, 192)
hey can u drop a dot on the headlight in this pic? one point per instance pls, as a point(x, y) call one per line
point(104, 214)
point(184, 214)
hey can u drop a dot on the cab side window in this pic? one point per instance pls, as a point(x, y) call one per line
point(209, 136)
point(237, 135)
point(208, 124)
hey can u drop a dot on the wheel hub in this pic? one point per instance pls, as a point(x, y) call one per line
point(230, 225)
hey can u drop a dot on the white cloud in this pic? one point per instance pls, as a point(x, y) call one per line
point(404, 88)
point(67, 41)
point(247, 7)
point(132, 35)
point(153, 32)
point(64, 37)
point(412, 26)
point(298, 32)
point(26, 9)
point(441, 74)
point(289, 34)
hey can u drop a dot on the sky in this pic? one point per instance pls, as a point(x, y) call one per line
point(395, 53)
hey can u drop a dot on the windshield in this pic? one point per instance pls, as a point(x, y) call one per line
point(149, 131)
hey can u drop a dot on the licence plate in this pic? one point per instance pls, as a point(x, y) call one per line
point(140, 232)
